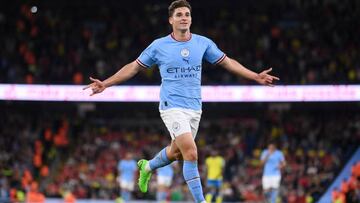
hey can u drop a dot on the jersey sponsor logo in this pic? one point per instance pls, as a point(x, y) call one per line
point(185, 72)
point(184, 69)
point(184, 52)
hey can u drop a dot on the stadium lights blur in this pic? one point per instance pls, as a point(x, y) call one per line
point(75, 93)
point(34, 9)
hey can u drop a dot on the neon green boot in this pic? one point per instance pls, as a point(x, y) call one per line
point(144, 176)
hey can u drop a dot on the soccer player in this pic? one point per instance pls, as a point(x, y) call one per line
point(164, 179)
point(214, 167)
point(127, 169)
point(273, 161)
point(179, 57)
point(34, 195)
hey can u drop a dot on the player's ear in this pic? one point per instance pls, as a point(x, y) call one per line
point(170, 20)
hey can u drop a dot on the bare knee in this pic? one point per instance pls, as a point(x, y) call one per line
point(174, 154)
point(178, 156)
point(187, 146)
point(190, 154)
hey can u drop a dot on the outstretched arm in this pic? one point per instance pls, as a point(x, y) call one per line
point(125, 73)
point(235, 67)
point(282, 164)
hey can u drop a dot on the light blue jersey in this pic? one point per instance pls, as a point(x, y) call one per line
point(180, 65)
point(167, 171)
point(271, 167)
point(127, 170)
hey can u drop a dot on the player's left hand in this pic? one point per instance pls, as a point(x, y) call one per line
point(96, 86)
point(266, 79)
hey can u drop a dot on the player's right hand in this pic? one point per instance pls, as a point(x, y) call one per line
point(96, 86)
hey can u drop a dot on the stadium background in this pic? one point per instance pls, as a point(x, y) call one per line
point(74, 146)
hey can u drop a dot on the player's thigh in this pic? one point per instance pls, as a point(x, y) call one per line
point(185, 143)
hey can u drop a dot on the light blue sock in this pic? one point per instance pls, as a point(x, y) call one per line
point(192, 178)
point(268, 196)
point(161, 196)
point(159, 160)
point(274, 194)
point(126, 195)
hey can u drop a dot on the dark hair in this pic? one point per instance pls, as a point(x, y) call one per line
point(273, 141)
point(177, 4)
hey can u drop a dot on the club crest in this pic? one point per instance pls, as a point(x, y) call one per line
point(184, 53)
point(175, 126)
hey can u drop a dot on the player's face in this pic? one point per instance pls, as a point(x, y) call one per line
point(128, 156)
point(181, 19)
point(271, 147)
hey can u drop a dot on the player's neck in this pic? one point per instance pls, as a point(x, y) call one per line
point(181, 36)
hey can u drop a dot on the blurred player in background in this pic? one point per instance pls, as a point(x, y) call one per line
point(34, 195)
point(164, 176)
point(215, 164)
point(179, 57)
point(273, 161)
point(127, 169)
point(69, 197)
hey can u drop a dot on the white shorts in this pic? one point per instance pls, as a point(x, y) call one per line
point(269, 182)
point(179, 121)
point(164, 180)
point(128, 185)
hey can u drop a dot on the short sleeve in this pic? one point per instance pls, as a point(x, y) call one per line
point(263, 155)
point(213, 54)
point(119, 166)
point(282, 158)
point(222, 162)
point(147, 57)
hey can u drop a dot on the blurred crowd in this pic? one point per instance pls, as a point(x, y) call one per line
point(30, 144)
point(63, 42)
point(348, 191)
point(82, 151)
point(306, 42)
